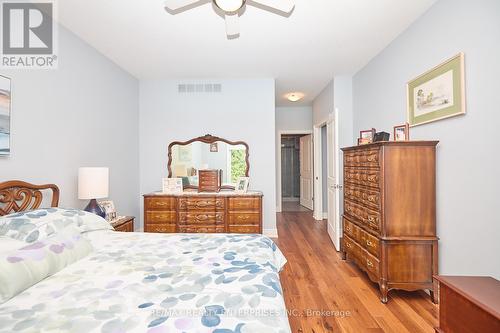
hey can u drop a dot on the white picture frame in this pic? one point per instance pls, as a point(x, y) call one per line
point(242, 185)
point(172, 185)
point(108, 206)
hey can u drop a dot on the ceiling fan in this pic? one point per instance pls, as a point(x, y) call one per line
point(231, 9)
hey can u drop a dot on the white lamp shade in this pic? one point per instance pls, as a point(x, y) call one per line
point(93, 183)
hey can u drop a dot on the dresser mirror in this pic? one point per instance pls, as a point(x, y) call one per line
point(208, 153)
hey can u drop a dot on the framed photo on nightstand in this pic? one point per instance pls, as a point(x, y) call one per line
point(109, 209)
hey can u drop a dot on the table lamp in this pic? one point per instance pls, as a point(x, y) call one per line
point(93, 183)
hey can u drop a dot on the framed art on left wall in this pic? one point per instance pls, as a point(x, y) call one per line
point(5, 115)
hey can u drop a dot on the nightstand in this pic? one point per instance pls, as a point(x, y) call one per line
point(124, 224)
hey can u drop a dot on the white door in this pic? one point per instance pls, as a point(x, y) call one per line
point(306, 171)
point(333, 182)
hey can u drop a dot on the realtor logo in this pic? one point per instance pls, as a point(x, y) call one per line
point(28, 34)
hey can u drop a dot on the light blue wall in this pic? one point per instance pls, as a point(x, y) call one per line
point(244, 110)
point(468, 183)
point(84, 113)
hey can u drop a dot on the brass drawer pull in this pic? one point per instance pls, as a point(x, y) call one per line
point(348, 245)
point(368, 243)
point(243, 217)
point(161, 204)
point(369, 263)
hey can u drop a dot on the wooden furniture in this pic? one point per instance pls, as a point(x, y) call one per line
point(390, 213)
point(193, 212)
point(124, 224)
point(209, 180)
point(16, 196)
point(468, 304)
point(207, 152)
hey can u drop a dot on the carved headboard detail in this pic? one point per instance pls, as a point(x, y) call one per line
point(16, 196)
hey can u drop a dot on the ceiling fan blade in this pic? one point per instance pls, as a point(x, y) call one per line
point(285, 6)
point(174, 5)
point(232, 25)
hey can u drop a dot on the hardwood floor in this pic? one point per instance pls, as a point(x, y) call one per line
point(316, 279)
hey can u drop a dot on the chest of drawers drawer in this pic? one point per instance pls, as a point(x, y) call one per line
point(368, 217)
point(244, 204)
point(160, 203)
point(244, 218)
point(363, 177)
point(364, 196)
point(201, 229)
point(161, 216)
point(244, 229)
point(204, 203)
point(367, 241)
point(201, 217)
point(160, 228)
point(363, 158)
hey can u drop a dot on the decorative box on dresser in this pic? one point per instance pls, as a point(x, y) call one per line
point(193, 212)
point(390, 214)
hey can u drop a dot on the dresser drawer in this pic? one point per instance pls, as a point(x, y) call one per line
point(352, 247)
point(244, 218)
point(350, 229)
point(244, 229)
point(201, 229)
point(372, 264)
point(204, 203)
point(363, 177)
point(201, 218)
point(159, 203)
point(364, 196)
point(364, 215)
point(371, 244)
point(158, 216)
point(363, 158)
point(244, 203)
point(163, 228)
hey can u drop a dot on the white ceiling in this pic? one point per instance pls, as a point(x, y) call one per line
point(321, 38)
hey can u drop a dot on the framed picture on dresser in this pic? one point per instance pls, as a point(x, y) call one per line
point(242, 185)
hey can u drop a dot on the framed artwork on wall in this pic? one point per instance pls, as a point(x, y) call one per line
point(438, 93)
point(5, 116)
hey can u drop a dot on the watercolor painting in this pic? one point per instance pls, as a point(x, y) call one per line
point(5, 114)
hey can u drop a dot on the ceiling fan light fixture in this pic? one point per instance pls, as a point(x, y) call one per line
point(294, 96)
point(229, 6)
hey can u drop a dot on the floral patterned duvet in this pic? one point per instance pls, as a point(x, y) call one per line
point(159, 283)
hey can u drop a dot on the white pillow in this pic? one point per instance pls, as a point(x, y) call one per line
point(28, 265)
point(8, 244)
point(35, 225)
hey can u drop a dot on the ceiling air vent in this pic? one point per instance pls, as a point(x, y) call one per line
point(199, 88)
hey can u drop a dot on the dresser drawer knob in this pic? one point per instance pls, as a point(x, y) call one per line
point(369, 263)
point(368, 243)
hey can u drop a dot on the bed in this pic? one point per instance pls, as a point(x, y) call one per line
point(81, 276)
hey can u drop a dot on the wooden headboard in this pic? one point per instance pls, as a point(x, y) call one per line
point(16, 196)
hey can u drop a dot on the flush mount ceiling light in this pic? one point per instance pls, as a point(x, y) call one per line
point(294, 96)
point(229, 6)
point(232, 9)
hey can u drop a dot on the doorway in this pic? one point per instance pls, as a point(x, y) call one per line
point(327, 176)
point(295, 188)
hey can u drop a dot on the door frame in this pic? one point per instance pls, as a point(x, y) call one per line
point(318, 172)
point(318, 165)
point(279, 204)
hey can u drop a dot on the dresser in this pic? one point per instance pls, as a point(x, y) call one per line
point(469, 304)
point(193, 212)
point(389, 220)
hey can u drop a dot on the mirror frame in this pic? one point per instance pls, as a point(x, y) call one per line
point(207, 139)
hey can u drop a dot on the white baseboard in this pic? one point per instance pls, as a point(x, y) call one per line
point(271, 233)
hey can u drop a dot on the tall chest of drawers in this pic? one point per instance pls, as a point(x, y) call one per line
point(389, 220)
point(192, 212)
